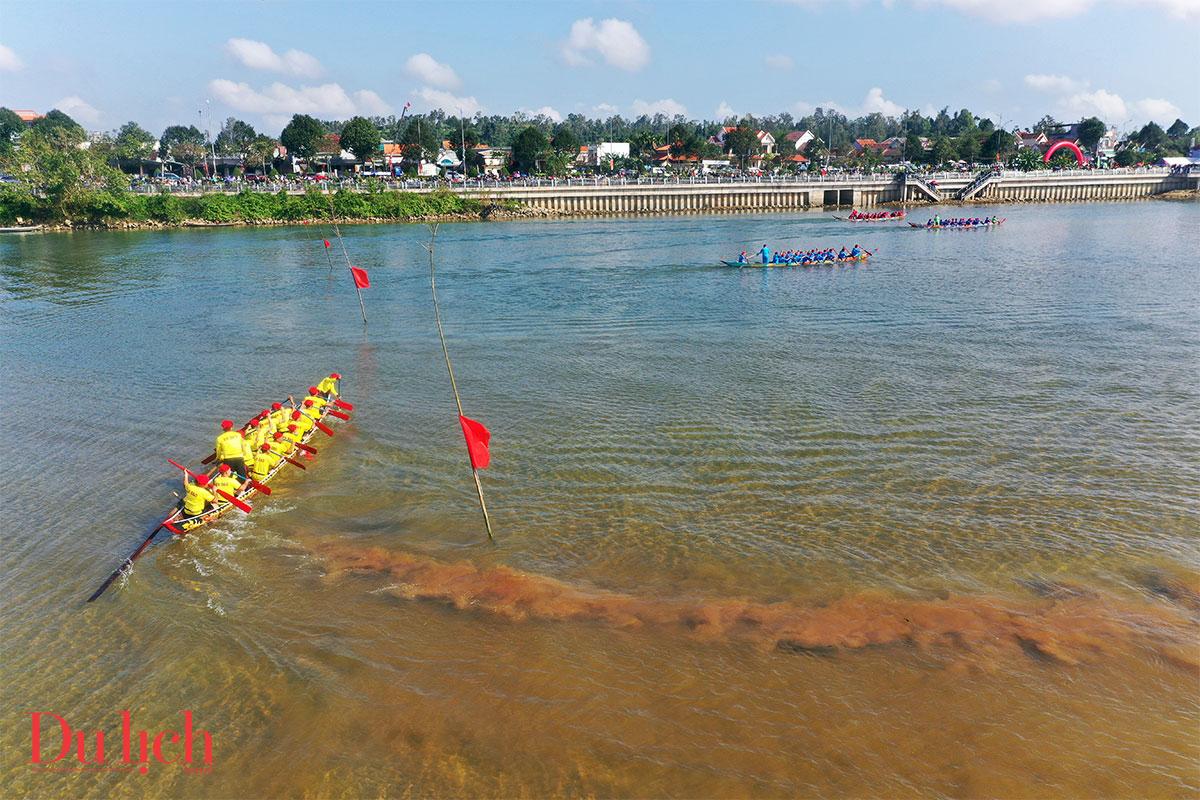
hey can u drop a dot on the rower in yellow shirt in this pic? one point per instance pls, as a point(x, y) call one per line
point(318, 401)
point(264, 462)
point(227, 482)
point(281, 444)
point(279, 416)
point(302, 421)
point(329, 386)
point(229, 448)
point(196, 496)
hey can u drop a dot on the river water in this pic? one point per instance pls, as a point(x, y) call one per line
point(928, 527)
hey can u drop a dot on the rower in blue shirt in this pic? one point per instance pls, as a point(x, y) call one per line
point(742, 257)
point(842, 254)
point(855, 251)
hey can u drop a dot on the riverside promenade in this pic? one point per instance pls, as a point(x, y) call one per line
point(860, 191)
point(603, 195)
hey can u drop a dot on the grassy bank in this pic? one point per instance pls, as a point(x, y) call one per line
point(116, 209)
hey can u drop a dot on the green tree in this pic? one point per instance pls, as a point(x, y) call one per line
point(914, 152)
point(11, 127)
point(420, 138)
point(184, 143)
point(261, 150)
point(741, 142)
point(60, 129)
point(998, 144)
point(133, 144)
point(565, 140)
point(1128, 157)
point(1178, 129)
point(1046, 124)
point(558, 162)
point(1027, 159)
point(303, 136)
point(527, 148)
point(361, 137)
point(642, 143)
point(1151, 136)
point(1090, 131)
point(943, 151)
point(235, 137)
point(967, 146)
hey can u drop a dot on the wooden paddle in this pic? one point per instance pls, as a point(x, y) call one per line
point(238, 504)
point(132, 557)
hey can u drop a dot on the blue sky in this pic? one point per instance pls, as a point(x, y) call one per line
point(109, 61)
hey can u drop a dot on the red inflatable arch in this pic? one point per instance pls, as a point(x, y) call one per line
point(1054, 148)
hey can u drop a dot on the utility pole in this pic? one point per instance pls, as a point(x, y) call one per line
point(208, 132)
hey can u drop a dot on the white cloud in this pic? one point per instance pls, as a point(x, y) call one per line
point(1157, 109)
point(328, 100)
point(371, 104)
point(1100, 103)
point(259, 55)
point(79, 109)
point(10, 61)
point(432, 72)
point(666, 106)
point(448, 102)
point(548, 112)
point(1020, 11)
point(779, 61)
point(724, 111)
point(617, 42)
point(1053, 83)
point(1114, 109)
point(605, 108)
point(875, 102)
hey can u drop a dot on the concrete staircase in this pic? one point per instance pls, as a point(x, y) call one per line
point(908, 179)
point(981, 182)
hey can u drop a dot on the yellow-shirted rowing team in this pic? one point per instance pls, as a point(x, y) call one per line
point(250, 454)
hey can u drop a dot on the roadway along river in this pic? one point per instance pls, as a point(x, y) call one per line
point(927, 527)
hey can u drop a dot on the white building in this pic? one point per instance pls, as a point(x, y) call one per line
point(607, 151)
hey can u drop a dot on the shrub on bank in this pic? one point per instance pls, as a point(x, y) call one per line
point(114, 206)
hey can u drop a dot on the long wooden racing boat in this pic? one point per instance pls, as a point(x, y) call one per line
point(995, 224)
point(185, 522)
point(896, 218)
point(756, 265)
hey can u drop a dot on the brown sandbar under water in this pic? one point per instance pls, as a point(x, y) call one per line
point(1064, 625)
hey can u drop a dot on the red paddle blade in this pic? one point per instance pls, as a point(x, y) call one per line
point(238, 504)
point(343, 404)
point(323, 428)
point(308, 448)
point(294, 462)
point(260, 487)
point(182, 467)
point(338, 414)
point(172, 529)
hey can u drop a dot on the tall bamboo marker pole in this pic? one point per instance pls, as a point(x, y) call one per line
point(437, 315)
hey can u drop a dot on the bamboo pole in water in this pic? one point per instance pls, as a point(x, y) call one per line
point(437, 316)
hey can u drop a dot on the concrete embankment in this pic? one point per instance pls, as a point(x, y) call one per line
point(575, 198)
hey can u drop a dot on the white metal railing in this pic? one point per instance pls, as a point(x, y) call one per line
point(154, 186)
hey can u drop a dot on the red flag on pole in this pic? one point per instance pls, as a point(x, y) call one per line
point(360, 277)
point(326, 242)
point(477, 441)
